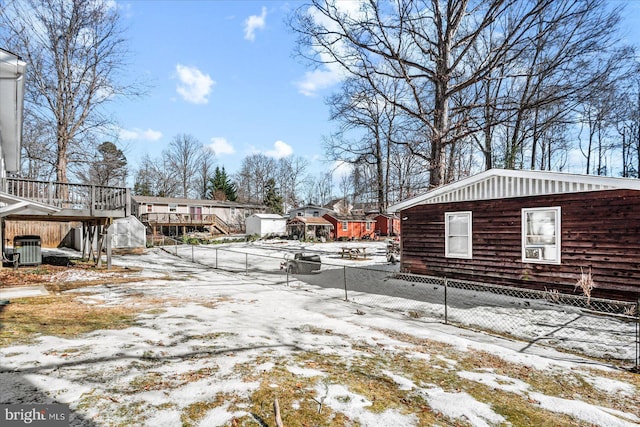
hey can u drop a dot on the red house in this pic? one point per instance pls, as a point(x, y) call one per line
point(350, 226)
point(387, 224)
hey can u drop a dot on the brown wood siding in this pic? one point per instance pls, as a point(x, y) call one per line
point(600, 231)
point(52, 234)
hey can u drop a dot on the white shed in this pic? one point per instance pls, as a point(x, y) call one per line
point(266, 225)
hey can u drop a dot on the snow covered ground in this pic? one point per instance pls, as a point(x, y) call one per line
point(211, 333)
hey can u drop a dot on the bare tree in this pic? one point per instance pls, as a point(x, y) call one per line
point(508, 69)
point(255, 172)
point(75, 50)
point(426, 46)
point(290, 176)
point(358, 108)
point(37, 146)
point(206, 169)
point(184, 155)
point(156, 178)
point(324, 188)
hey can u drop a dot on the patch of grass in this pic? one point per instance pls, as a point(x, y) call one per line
point(314, 330)
point(58, 315)
point(150, 381)
point(519, 410)
point(195, 412)
point(570, 385)
point(57, 287)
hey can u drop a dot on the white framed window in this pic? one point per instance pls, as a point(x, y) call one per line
point(149, 208)
point(541, 235)
point(173, 207)
point(457, 230)
point(345, 226)
point(368, 226)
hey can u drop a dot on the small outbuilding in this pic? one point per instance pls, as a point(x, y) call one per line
point(351, 227)
point(301, 227)
point(533, 229)
point(266, 225)
point(386, 224)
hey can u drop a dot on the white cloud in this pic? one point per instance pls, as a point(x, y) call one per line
point(138, 134)
point(253, 23)
point(220, 146)
point(280, 149)
point(317, 80)
point(331, 73)
point(194, 86)
point(341, 169)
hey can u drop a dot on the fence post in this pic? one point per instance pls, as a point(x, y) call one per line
point(246, 263)
point(192, 257)
point(176, 240)
point(446, 307)
point(216, 267)
point(344, 275)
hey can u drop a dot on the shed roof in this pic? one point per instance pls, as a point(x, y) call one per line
point(268, 216)
point(311, 220)
point(349, 218)
point(503, 183)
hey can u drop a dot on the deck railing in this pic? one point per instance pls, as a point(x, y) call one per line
point(62, 195)
point(172, 218)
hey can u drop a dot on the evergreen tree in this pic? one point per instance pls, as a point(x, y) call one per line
point(108, 166)
point(272, 199)
point(221, 187)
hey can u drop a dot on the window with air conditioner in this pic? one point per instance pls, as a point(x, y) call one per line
point(541, 235)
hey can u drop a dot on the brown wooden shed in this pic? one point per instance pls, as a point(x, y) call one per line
point(533, 229)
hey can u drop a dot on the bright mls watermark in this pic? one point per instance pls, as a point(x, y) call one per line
point(54, 415)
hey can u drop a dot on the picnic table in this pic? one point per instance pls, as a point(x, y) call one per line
point(353, 253)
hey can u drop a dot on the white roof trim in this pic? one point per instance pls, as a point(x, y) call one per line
point(268, 216)
point(503, 183)
point(13, 204)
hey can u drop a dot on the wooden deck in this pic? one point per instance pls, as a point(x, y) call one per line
point(185, 220)
point(73, 202)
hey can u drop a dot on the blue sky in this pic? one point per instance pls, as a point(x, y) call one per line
point(223, 72)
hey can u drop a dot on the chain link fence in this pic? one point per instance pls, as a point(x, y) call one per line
point(598, 328)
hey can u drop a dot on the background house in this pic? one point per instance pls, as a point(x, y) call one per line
point(309, 211)
point(178, 216)
point(350, 226)
point(340, 206)
point(540, 230)
point(263, 224)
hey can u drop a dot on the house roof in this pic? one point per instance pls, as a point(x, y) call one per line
point(268, 216)
point(309, 206)
point(386, 215)
point(311, 220)
point(350, 218)
point(199, 202)
point(503, 183)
